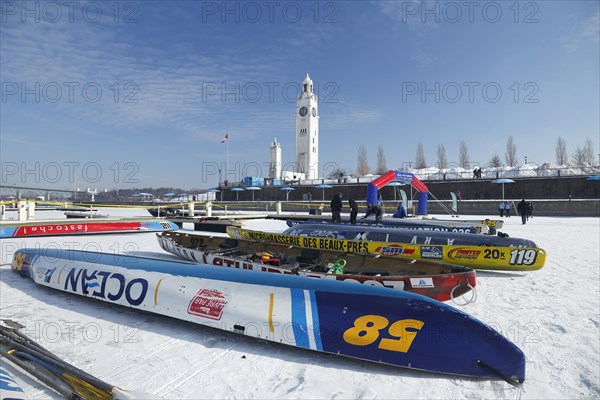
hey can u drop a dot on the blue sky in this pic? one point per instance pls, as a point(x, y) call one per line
point(137, 94)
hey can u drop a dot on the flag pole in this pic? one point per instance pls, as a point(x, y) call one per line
point(226, 157)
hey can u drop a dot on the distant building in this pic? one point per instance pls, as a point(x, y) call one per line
point(307, 131)
point(275, 160)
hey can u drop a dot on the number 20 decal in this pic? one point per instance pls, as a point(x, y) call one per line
point(366, 331)
point(522, 256)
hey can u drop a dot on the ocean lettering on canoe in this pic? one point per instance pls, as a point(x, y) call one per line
point(135, 290)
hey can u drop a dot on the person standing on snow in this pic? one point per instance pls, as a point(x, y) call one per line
point(523, 209)
point(353, 210)
point(507, 208)
point(336, 209)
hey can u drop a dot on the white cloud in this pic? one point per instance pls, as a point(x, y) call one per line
point(167, 85)
point(346, 114)
point(583, 32)
point(590, 28)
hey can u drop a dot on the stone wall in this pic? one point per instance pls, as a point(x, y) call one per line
point(549, 195)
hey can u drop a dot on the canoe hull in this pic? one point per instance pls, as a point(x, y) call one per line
point(402, 235)
point(85, 227)
point(441, 286)
point(359, 321)
point(476, 257)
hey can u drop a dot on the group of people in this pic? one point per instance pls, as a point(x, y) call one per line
point(477, 172)
point(525, 210)
point(337, 205)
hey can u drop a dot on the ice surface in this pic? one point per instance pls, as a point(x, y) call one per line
point(551, 314)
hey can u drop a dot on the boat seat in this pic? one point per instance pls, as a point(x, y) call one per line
point(308, 256)
point(229, 243)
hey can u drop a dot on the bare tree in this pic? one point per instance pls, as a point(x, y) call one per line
point(420, 157)
point(381, 164)
point(579, 157)
point(588, 152)
point(441, 155)
point(561, 151)
point(463, 155)
point(362, 168)
point(338, 173)
point(495, 162)
point(511, 152)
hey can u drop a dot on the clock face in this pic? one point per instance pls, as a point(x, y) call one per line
point(303, 111)
point(314, 112)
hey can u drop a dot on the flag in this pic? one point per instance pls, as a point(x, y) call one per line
point(226, 138)
point(454, 201)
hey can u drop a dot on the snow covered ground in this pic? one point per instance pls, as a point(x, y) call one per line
point(553, 315)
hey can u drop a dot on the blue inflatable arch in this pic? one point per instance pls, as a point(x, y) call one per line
point(390, 176)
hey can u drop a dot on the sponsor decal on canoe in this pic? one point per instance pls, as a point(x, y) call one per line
point(208, 303)
point(463, 253)
point(303, 241)
point(393, 250)
point(51, 229)
point(421, 282)
point(112, 286)
point(85, 228)
point(434, 252)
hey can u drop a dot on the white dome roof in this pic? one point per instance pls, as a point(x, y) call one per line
point(307, 79)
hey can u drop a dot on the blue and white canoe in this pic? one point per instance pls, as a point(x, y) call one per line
point(10, 388)
point(359, 321)
point(418, 224)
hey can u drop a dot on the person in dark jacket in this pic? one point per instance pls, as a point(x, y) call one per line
point(353, 210)
point(523, 209)
point(336, 208)
point(374, 209)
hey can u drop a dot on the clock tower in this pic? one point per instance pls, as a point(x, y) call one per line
point(307, 131)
